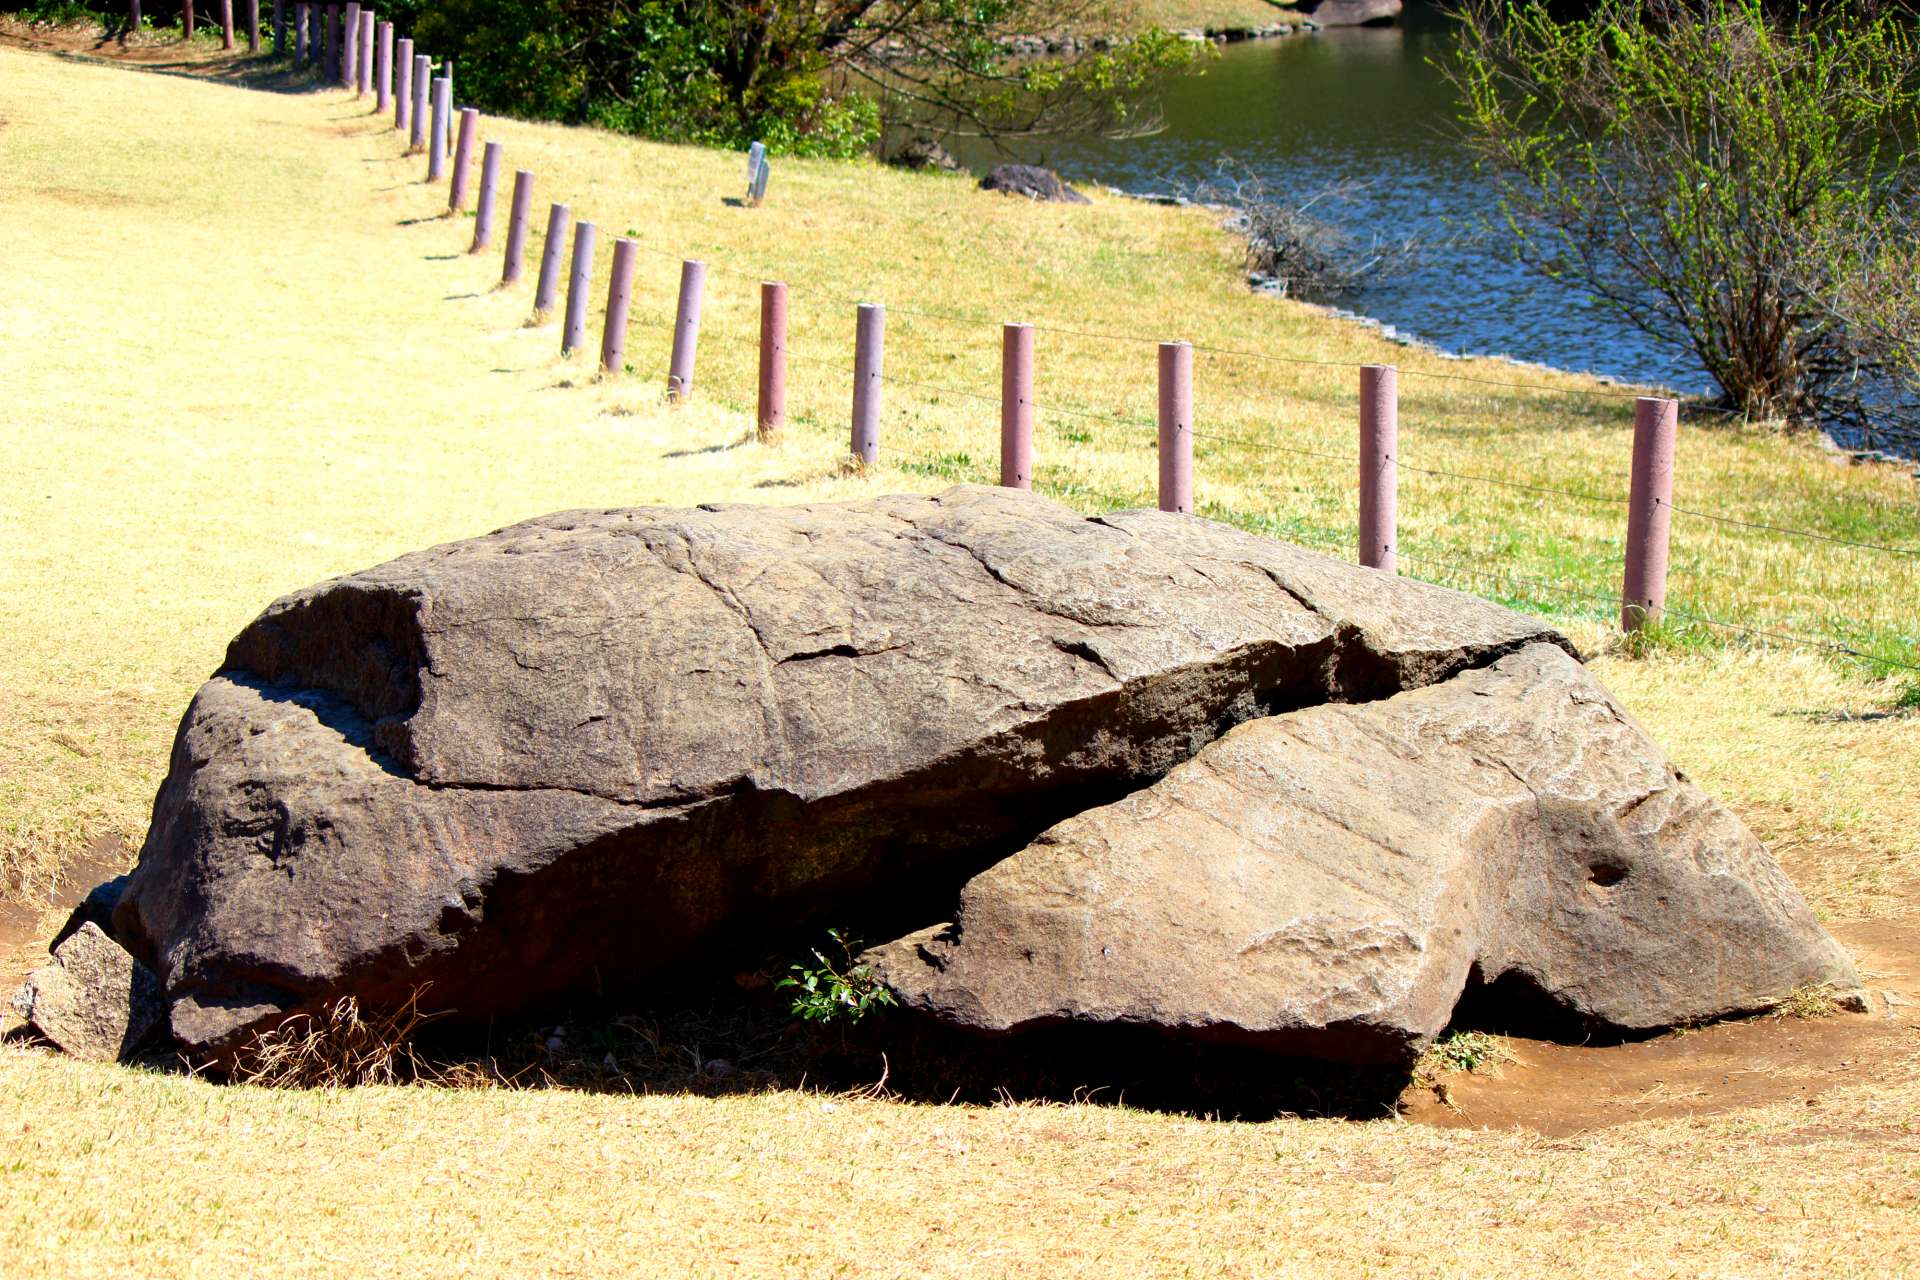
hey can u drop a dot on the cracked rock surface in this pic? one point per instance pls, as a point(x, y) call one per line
point(569, 753)
point(1326, 881)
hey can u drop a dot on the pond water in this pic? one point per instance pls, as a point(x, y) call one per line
point(1367, 104)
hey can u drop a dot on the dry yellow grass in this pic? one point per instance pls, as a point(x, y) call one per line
point(242, 355)
point(1204, 15)
point(109, 1172)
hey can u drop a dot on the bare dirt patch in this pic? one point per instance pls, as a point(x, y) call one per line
point(1560, 1089)
point(26, 925)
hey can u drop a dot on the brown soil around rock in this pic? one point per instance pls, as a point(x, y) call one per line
point(1558, 1089)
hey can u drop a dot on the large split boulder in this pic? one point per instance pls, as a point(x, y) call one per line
point(1328, 881)
point(572, 753)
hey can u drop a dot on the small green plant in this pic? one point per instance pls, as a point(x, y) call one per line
point(1815, 1000)
point(1474, 1052)
point(826, 991)
point(1908, 699)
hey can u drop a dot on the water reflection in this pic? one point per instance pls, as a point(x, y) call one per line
point(1368, 104)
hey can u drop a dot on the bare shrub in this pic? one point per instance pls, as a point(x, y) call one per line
point(1294, 243)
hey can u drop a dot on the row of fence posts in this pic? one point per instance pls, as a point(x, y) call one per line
point(422, 107)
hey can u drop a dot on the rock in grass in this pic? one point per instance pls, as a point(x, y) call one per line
point(573, 752)
point(95, 1001)
point(1353, 13)
point(1327, 882)
point(1033, 182)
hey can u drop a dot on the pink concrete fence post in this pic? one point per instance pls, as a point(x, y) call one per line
point(1016, 406)
point(226, 24)
point(517, 228)
point(300, 21)
point(613, 339)
point(346, 44)
point(548, 289)
point(365, 75)
point(869, 361)
point(771, 417)
point(403, 85)
point(422, 102)
point(1649, 511)
point(1176, 427)
point(1379, 466)
point(483, 212)
point(437, 142)
point(186, 20)
point(686, 331)
point(463, 159)
point(574, 331)
point(314, 21)
point(253, 26)
point(383, 69)
point(279, 28)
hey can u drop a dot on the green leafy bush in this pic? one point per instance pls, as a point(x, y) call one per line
point(835, 991)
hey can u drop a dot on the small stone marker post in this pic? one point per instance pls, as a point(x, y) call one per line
point(755, 154)
point(573, 330)
point(437, 142)
point(1016, 406)
point(772, 416)
point(516, 254)
point(869, 363)
point(483, 213)
point(1379, 466)
point(1643, 594)
point(463, 158)
point(613, 339)
point(550, 256)
point(686, 331)
point(1176, 427)
point(758, 191)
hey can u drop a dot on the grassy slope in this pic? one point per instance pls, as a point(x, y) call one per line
point(1204, 15)
point(241, 356)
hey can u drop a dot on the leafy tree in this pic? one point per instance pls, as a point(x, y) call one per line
point(1715, 173)
point(809, 76)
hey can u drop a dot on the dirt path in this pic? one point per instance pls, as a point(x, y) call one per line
point(1556, 1090)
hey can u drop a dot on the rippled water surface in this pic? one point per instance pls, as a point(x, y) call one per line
point(1367, 104)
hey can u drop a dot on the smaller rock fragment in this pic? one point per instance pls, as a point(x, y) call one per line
point(1032, 181)
point(95, 1001)
point(96, 908)
point(925, 153)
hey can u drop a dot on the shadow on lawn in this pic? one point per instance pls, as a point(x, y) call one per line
point(741, 1038)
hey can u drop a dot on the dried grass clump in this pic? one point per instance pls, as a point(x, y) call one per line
point(337, 1048)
